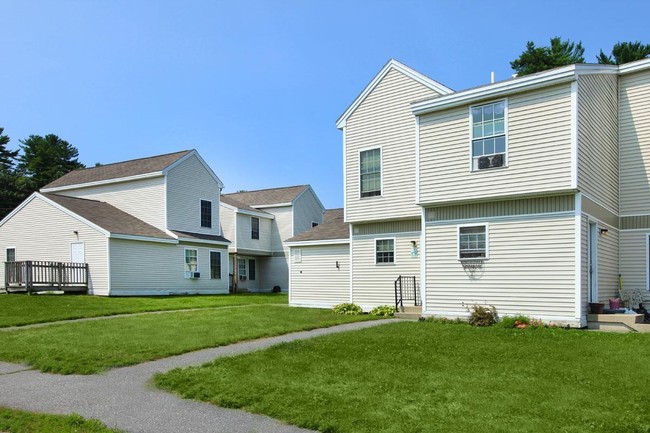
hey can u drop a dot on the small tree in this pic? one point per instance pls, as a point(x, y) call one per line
point(624, 52)
point(537, 59)
point(7, 157)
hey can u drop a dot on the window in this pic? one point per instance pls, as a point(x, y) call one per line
point(297, 255)
point(11, 254)
point(370, 168)
point(206, 213)
point(215, 265)
point(472, 242)
point(314, 224)
point(385, 251)
point(241, 268)
point(191, 262)
point(251, 269)
point(488, 135)
point(255, 228)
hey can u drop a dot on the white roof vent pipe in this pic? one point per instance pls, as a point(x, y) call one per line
point(492, 77)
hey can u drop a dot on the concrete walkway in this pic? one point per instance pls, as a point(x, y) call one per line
point(124, 398)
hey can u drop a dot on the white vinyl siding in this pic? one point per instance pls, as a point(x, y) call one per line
point(539, 150)
point(531, 269)
point(598, 139)
point(384, 119)
point(41, 232)
point(244, 230)
point(159, 269)
point(144, 198)
point(316, 280)
point(306, 209)
point(634, 259)
point(282, 227)
point(275, 272)
point(187, 184)
point(634, 143)
point(227, 220)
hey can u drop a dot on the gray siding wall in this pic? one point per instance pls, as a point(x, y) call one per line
point(634, 142)
point(634, 259)
point(187, 184)
point(281, 227)
point(144, 199)
point(598, 139)
point(149, 268)
point(275, 272)
point(539, 150)
point(306, 209)
point(316, 281)
point(244, 240)
point(41, 232)
point(384, 120)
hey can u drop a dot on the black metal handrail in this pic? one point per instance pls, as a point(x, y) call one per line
point(41, 275)
point(406, 289)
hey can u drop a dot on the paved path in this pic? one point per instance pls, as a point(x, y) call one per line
point(124, 398)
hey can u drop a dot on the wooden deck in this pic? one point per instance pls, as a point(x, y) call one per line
point(38, 276)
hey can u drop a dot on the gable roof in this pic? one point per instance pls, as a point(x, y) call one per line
point(134, 167)
point(391, 65)
point(333, 227)
point(107, 217)
point(266, 197)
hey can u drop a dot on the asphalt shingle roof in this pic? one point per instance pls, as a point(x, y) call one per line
point(239, 204)
point(333, 227)
point(117, 170)
point(264, 197)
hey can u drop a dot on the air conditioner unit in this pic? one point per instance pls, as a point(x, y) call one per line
point(195, 275)
point(491, 161)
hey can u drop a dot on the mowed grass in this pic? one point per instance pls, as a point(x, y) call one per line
point(18, 421)
point(431, 377)
point(93, 346)
point(19, 310)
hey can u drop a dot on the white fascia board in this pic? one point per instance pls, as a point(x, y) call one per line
point(142, 238)
point(264, 206)
point(103, 182)
point(318, 242)
point(189, 155)
point(255, 214)
point(636, 66)
point(70, 213)
point(392, 64)
point(203, 241)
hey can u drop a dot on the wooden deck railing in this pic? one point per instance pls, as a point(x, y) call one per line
point(34, 276)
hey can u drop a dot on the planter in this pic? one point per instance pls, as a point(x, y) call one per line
point(614, 303)
point(596, 307)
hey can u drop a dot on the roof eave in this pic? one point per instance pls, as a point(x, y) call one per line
point(102, 182)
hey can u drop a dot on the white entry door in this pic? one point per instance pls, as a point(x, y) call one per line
point(77, 252)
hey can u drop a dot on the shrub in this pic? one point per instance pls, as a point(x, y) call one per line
point(483, 315)
point(348, 308)
point(444, 320)
point(383, 311)
point(513, 321)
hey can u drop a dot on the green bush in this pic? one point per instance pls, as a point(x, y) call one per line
point(512, 321)
point(444, 320)
point(383, 311)
point(483, 315)
point(348, 308)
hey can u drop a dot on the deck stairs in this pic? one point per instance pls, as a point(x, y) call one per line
point(617, 323)
point(410, 313)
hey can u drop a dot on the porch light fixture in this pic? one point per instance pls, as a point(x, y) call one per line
point(337, 265)
point(414, 249)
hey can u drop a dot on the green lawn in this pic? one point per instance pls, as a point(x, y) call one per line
point(433, 377)
point(18, 421)
point(18, 310)
point(93, 346)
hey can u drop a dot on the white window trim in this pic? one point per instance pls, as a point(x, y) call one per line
point(394, 252)
point(248, 269)
point(245, 274)
point(211, 214)
point(487, 241)
point(381, 171)
point(210, 263)
point(198, 268)
point(505, 131)
point(259, 228)
point(10, 248)
point(297, 255)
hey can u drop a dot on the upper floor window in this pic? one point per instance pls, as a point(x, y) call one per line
point(385, 251)
point(370, 170)
point(206, 213)
point(11, 254)
point(488, 135)
point(472, 242)
point(255, 228)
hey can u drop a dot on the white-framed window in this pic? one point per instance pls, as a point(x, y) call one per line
point(370, 172)
point(314, 224)
point(297, 255)
point(252, 269)
point(384, 251)
point(241, 269)
point(191, 261)
point(255, 228)
point(489, 135)
point(473, 242)
point(11, 254)
point(215, 265)
point(206, 213)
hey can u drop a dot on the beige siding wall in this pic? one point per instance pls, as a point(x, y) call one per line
point(539, 150)
point(187, 184)
point(531, 269)
point(598, 138)
point(281, 227)
point(42, 232)
point(150, 268)
point(244, 240)
point(316, 281)
point(634, 142)
point(227, 221)
point(584, 264)
point(384, 120)
point(634, 259)
point(275, 272)
point(144, 199)
point(306, 209)
point(374, 284)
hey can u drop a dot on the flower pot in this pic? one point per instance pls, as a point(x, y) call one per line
point(614, 303)
point(596, 307)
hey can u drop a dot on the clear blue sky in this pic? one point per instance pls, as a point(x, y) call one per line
point(256, 86)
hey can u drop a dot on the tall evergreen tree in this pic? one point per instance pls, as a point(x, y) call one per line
point(624, 52)
point(537, 59)
point(10, 194)
point(7, 157)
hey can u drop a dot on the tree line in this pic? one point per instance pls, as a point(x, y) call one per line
point(38, 162)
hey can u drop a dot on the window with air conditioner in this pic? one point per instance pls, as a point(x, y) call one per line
point(489, 135)
point(192, 263)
